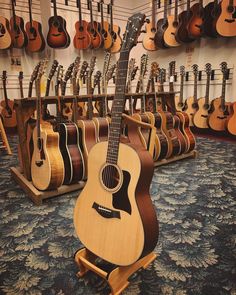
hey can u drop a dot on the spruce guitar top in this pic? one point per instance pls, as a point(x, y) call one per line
point(5, 36)
point(226, 22)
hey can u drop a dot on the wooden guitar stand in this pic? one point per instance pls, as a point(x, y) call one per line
point(118, 277)
point(4, 138)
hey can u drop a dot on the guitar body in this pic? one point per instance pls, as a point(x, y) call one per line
point(178, 104)
point(8, 116)
point(195, 22)
point(191, 109)
point(36, 42)
point(88, 138)
point(168, 129)
point(148, 40)
point(182, 35)
point(209, 24)
point(18, 34)
point(57, 36)
point(169, 34)
point(185, 129)
point(219, 117)
point(181, 138)
point(159, 36)
point(71, 153)
point(82, 39)
point(226, 22)
point(129, 218)
point(47, 167)
point(5, 36)
point(102, 127)
point(107, 38)
point(116, 39)
point(96, 38)
point(231, 126)
point(200, 118)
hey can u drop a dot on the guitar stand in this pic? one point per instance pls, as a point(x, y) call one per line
point(118, 277)
point(4, 138)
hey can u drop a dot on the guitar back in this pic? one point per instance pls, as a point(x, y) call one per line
point(226, 23)
point(36, 40)
point(159, 36)
point(57, 36)
point(231, 126)
point(18, 34)
point(5, 37)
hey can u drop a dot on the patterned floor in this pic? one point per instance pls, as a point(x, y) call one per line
point(195, 203)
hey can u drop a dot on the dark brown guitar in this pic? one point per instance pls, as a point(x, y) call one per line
point(34, 33)
point(93, 27)
point(212, 11)
point(82, 39)
point(196, 20)
point(58, 36)
point(18, 34)
point(162, 25)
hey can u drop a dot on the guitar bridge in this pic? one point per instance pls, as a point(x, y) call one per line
point(106, 212)
point(229, 20)
point(204, 116)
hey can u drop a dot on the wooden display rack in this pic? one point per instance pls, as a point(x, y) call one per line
point(5, 145)
point(192, 154)
point(118, 277)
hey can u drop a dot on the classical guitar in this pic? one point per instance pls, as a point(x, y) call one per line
point(148, 40)
point(93, 29)
point(105, 29)
point(32, 79)
point(20, 78)
point(222, 110)
point(231, 126)
point(7, 111)
point(212, 11)
point(161, 27)
point(179, 100)
point(82, 38)
point(17, 31)
point(226, 22)
point(47, 167)
point(116, 195)
point(196, 21)
point(5, 36)
point(36, 42)
point(182, 33)
point(191, 103)
point(169, 34)
point(114, 31)
point(57, 36)
point(200, 118)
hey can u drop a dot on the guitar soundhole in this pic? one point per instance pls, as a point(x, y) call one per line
point(206, 106)
point(180, 104)
point(2, 29)
point(33, 31)
point(153, 30)
point(175, 24)
point(230, 9)
point(195, 105)
point(81, 29)
point(16, 29)
point(111, 177)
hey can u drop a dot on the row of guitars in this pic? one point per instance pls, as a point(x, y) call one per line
point(213, 20)
point(88, 35)
point(216, 114)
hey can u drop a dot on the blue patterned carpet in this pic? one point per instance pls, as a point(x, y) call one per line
point(195, 203)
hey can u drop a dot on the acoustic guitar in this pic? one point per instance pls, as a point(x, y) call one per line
point(116, 195)
point(191, 103)
point(57, 36)
point(148, 40)
point(212, 11)
point(114, 31)
point(47, 167)
point(7, 111)
point(169, 34)
point(5, 36)
point(105, 29)
point(179, 100)
point(93, 29)
point(196, 20)
point(231, 126)
point(82, 39)
point(17, 31)
point(200, 118)
point(182, 33)
point(36, 42)
point(222, 110)
point(226, 22)
point(161, 27)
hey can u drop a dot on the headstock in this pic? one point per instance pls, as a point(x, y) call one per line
point(53, 69)
point(143, 65)
point(182, 71)
point(195, 70)
point(42, 69)
point(208, 69)
point(97, 78)
point(60, 72)
point(68, 73)
point(172, 69)
point(132, 32)
point(35, 73)
point(4, 75)
point(131, 67)
point(224, 69)
point(83, 69)
point(76, 67)
point(110, 72)
point(21, 76)
point(154, 69)
point(162, 74)
point(92, 65)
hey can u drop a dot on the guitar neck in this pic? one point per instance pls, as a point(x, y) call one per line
point(38, 107)
point(143, 108)
point(155, 95)
point(13, 11)
point(91, 13)
point(30, 89)
point(223, 92)
point(176, 11)
point(207, 90)
point(111, 14)
point(21, 88)
point(165, 10)
point(188, 8)
point(90, 101)
point(102, 16)
point(30, 12)
point(80, 11)
point(154, 8)
point(181, 95)
point(75, 111)
point(195, 89)
point(55, 8)
point(48, 87)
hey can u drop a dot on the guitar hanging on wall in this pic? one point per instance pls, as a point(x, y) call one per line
point(34, 33)
point(5, 36)
point(116, 195)
point(105, 29)
point(114, 31)
point(196, 20)
point(96, 38)
point(58, 36)
point(226, 22)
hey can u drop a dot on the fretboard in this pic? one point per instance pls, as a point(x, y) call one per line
point(195, 89)
point(176, 11)
point(223, 92)
point(181, 95)
point(154, 8)
point(207, 90)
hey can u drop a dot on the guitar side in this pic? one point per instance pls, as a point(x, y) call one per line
point(184, 128)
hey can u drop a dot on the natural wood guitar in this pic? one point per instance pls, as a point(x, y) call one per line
point(5, 36)
point(93, 29)
point(105, 29)
point(226, 22)
point(116, 195)
point(201, 117)
point(222, 110)
point(115, 32)
point(231, 126)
